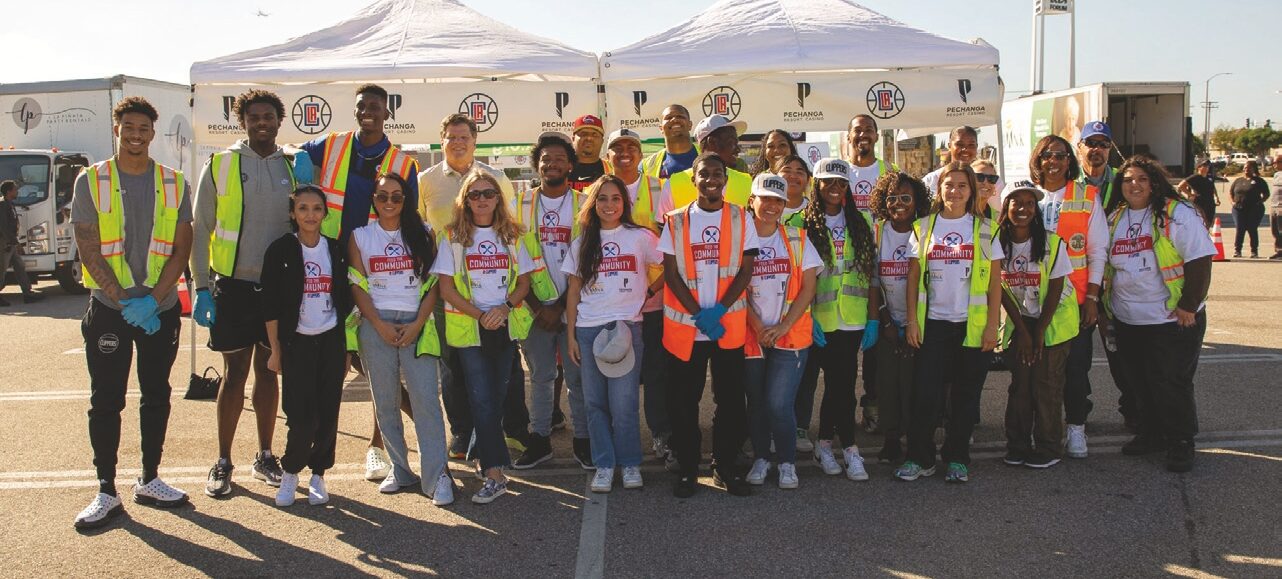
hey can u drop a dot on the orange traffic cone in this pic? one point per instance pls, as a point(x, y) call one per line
point(1218, 239)
point(184, 295)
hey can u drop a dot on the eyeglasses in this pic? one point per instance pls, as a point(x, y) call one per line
point(1098, 144)
point(1057, 155)
point(384, 198)
point(486, 193)
point(986, 178)
point(905, 199)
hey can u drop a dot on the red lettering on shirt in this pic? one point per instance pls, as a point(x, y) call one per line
point(1134, 245)
point(951, 252)
point(386, 263)
point(776, 266)
point(477, 261)
point(315, 281)
point(1022, 278)
point(554, 234)
point(706, 251)
point(894, 269)
point(618, 263)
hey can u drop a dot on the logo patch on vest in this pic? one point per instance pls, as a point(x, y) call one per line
point(107, 343)
point(1077, 242)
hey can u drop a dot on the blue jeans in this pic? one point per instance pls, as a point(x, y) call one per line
point(486, 369)
point(541, 348)
point(613, 404)
point(771, 384)
point(386, 365)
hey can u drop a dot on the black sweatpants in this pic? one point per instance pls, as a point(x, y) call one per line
point(942, 356)
point(729, 420)
point(311, 393)
point(1160, 362)
point(109, 351)
point(840, 364)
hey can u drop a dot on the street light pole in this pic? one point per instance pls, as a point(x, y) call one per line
point(1206, 104)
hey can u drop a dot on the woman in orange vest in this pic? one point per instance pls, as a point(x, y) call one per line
point(779, 330)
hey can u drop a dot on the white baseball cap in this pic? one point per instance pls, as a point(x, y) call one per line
point(612, 350)
point(714, 122)
point(769, 185)
point(1023, 185)
point(832, 168)
point(623, 135)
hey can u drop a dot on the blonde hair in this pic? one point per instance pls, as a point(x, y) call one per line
point(980, 164)
point(973, 206)
point(462, 225)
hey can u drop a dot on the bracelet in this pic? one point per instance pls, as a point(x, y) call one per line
point(1092, 298)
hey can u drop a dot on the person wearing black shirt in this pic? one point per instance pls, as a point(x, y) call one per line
point(589, 135)
point(1249, 193)
point(1200, 190)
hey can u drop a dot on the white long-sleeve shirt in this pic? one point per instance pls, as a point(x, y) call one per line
point(1096, 233)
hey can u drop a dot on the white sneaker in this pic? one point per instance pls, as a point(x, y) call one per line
point(444, 493)
point(316, 493)
point(604, 480)
point(377, 465)
point(757, 474)
point(157, 493)
point(1076, 444)
point(389, 484)
point(855, 464)
point(787, 475)
point(287, 490)
point(103, 508)
point(803, 441)
point(823, 456)
point(632, 477)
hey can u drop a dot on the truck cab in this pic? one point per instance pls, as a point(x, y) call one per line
point(46, 178)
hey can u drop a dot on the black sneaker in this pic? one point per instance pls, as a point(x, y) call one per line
point(890, 452)
point(1143, 444)
point(734, 484)
point(1179, 458)
point(458, 447)
point(583, 453)
point(266, 468)
point(1040, 460)
point(537, 451)
point(685, 487)
point(31, 298)
point(219, 483)
point(1015, 458)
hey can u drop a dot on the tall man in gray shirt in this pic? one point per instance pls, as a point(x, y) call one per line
point(132, 220)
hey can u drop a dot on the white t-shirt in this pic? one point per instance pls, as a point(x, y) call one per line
point(1096, 231)
point(837, 232)
point(788, 212)
point(618, 291)
point(1138, 294)
point(891, 273)
point(316, 314)
point(862, 180)
point(1023, 276)
point(556, 221)
point(705, 236)
point(389, 268)
point(951, 248)
point(634, 189)
point(770, 272)
point(488, 265)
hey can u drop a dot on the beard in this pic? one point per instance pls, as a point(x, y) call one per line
point(556, 181)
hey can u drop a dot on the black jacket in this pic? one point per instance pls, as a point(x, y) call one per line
point(282, 283)
point(8, 224)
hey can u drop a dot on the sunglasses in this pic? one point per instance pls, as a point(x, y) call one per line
point(483, 193)
point(384, 198)
point(1098, 144)
point(905, 199)
point(985, 178)
point(1057, 155)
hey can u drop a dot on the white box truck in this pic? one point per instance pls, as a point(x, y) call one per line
point(53, 130)
point(1145, 117)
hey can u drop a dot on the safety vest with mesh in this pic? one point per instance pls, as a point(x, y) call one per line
point(104, 189)
point(841, 295)
point(428, 340)
point(229, 211)
point(528, 217)
point(333, 177)
point(1065, 323)
point(644, 209)
point(801, 334)
point(462, 330)
point(653, 165)
point(679, 331)
point(1169, 260)
point(1107, 187)
point(1074, 226)
point(980, 270)
point(738, 188)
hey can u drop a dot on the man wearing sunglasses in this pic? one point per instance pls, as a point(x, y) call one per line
point(963, 147)
point(1093, 151)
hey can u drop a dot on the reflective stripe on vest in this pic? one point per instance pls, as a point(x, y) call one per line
point(528, 216)
point(1065, 323)
point(1074, 228)
point(428, 340)
point(981, 268)
point(104, 189)
point(738, 188)
point(229, 210)
point(800, 335)
point(644, 209)
point(462, 330)
point(679, 332)
point(841, 294)
point(333, 178)
point(1169, 261)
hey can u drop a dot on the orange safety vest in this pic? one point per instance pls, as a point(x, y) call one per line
point(679, 332)
point(1074, 225)
point(801, 334)
point(333, 177)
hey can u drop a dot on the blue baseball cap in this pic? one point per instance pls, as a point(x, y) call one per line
point(1095, 128)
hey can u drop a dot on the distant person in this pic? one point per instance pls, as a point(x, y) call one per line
point(775, 144)
point(990, 184)
point(1249, 193)
point(715, 134)
point(1199, 189)
point(1275, 209)
point(9, 254)
point(589, 136)
point(865, 167)
point(963, 147)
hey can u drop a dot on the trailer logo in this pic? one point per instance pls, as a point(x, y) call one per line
point(885, 100)
point(562, 100)
point(311, 114)
point(723, 101)
point(963, 88)
point(481, 109)
point(639, 98)
point(26, 114)
point(179, 138)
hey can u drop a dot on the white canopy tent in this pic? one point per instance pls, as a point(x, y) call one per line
point(802, 65)
point(435, 57)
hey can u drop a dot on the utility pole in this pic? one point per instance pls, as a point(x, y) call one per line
point(1208, 105)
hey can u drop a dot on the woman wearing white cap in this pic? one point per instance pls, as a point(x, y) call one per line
point(779, 330)
point(608, 271)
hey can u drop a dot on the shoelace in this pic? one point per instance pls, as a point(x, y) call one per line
point(270, 463)
point(220, 471)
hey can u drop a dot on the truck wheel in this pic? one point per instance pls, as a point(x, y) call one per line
point(68, 276)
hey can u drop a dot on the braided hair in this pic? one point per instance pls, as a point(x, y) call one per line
point(857, 231)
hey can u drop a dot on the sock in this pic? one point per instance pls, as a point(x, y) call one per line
point(107, 487)
point(149, 474)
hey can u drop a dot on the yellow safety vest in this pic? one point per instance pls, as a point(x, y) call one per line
point(428, 340)
point(841, 293)
point(1065, 324)
point(981, 269)
point(462, 330)
point(653, 164)
point(738, 188)
point(111, 221)
point(1169, 260)
point(229, 211)
point(527, 216)
point(645, 208)
point(333, 177)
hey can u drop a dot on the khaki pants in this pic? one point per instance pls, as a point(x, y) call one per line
point(1034, 406)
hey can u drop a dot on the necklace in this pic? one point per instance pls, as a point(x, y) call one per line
point(1131, 223)
point(393, 237)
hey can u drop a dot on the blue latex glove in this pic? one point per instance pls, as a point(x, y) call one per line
point(303, 170)
point(714, 313)
point(708, 318)
point(715, 331)
point(871, 331)
point(817, 334)
point(138, 310)
point(203, 312)
point(151, 325)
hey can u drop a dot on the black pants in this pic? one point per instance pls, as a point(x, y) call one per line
point(840, 366)
point(869, 399)
point(942, 356)
point(1126, 396)
point(1160, 362)
point(1247, 220)
point(654, 374)
point(311, 393)
point(109, 349)
point(1077, 380)
point(729, 420)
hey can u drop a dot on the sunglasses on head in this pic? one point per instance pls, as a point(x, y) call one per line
point(1097, 144)
point(384, 198)
point(985, 178)
point(1058, 155)
point(485, 193)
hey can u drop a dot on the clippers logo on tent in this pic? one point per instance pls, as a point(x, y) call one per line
point(952, 250)
point(562, 100)
point(708, 246)
point(311, 114)
point(487, 257)
point(639, 98)
point(551, 231)
point(963, 88)
point(394, 258)
point(885, 100)
point(482, 109)
point(897, 266)
point(770, 263)
point(614, 260)
point(722, 100)
point(1019, 276)
point(315, 281)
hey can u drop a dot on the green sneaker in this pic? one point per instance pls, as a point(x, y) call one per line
point(957, 473)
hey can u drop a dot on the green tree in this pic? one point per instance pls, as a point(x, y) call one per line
point(1198, 148)
point(1222, 138)
point(1257, 141)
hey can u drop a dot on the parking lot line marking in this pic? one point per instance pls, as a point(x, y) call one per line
point(590, 563)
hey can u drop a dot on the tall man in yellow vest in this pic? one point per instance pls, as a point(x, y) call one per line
point(242, 205)
point(589, 135)
point(132, 222)
point(678, 150)
point(708, 246)
point(550, 210)
point(715, 134)
point(623, 151)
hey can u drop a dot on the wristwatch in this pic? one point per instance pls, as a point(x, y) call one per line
point(509, 305)
point(1092, 298)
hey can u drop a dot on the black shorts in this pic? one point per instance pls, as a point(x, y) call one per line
point(238, 323)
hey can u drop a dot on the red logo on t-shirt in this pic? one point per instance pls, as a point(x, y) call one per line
point(897, 265)
point(951, 248)
point(551, 230)
point(315, 282)
point(862, 193)
point(487, 257)
point(838, 242)
point(708, 246)
point(768, 262)
point(1136, 245)
point(394, 258)
point(613, 259)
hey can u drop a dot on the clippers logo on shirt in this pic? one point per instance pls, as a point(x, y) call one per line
point(838, 243)
point(952, 250)
point(862, 193)
point(1019, 276)
point(551, 231)
point(487, 257)
point(770, 263)
point(897, 265)
point(613, 260)
point(1134, 242)
point(708, 245)
point(395, 258)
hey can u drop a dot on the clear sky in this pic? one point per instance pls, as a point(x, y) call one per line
point(1159, 40)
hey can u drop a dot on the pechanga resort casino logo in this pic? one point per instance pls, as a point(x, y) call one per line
point(967, 109)
point(802, 114)
point(395, 106)
point(639, 99)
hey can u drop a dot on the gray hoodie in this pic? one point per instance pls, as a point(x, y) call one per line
point(266, 185)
